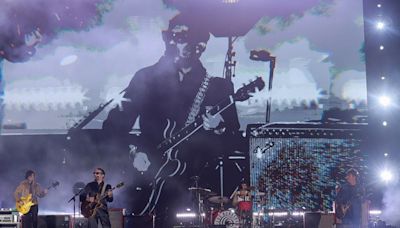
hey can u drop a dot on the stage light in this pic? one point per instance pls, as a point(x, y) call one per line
point(386, 154)
point(381, 47)
point(230, 1)
point(386, 176)
point(385, 101)
point(384, 123)
point(185, 215)
point(278, 214)
point(383, 78)
point(258, 213)
point(375, 212)
point(379, 5)
point(298, 213)
point(380, 25)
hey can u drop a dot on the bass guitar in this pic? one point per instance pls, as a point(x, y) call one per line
point(88, 209)
point(25, 203)
point(171, 165)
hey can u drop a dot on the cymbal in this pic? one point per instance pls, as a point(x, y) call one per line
point(201, 191)
point(218, 199)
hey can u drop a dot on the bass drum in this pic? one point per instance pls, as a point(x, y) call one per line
point(227, 218)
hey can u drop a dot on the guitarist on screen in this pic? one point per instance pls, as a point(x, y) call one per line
point(348, 203)
point(29, 187)
point(91, 207)
point(165, 98)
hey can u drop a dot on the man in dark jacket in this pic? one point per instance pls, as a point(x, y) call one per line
point(97, 192)
point(348, 203)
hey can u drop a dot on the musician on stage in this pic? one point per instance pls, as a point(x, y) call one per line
point(348, 203)
point(91, 194)
point(243, 201)
point(26, 187)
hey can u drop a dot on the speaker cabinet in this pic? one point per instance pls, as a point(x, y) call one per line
point(54, 221)
point(9, 225)
point(297, 166)
point(116, 217)
point(318, 220)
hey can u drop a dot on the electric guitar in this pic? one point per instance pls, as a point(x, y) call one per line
point(171, 165)
point(88, 209)
point(341, 211)
point(25, 203)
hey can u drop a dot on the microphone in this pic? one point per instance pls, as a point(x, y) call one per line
point(261, 55)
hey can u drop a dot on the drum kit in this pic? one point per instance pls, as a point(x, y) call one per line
point(217, 210)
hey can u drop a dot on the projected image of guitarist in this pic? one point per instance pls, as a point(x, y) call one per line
point(94, 200)
point(26, 197)
point(187, 119)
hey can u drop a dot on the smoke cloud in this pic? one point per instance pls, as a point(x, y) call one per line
point(24, 24)
point(391, 201)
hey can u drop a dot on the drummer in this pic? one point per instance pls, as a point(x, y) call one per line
point(243, 201)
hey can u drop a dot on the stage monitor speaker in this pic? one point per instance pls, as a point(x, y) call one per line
point(54, 221)
point(132, 221)
point(318, 220)
point(116, 217)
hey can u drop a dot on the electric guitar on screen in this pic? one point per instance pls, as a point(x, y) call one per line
point(25, 203)
point(171, 165)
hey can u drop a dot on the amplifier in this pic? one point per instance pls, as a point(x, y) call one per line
point(9, 224)
point(8, 216)
point(318, 220)
point(297, 166)
point(116, 217)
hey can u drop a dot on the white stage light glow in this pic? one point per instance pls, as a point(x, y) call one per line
point(384, 123)
point(385, 101)
point(298, 213)
point(380, 25)
point(278, 214)
point(375, 212)
point(386, 176)
point(230, 1)
point(185, 215)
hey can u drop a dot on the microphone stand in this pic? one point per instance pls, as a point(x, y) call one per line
point(271, 76)
point(73, 199)
point(265, 56)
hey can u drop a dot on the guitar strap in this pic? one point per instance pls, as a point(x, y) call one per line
point(103, 189)
point(198, 100)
